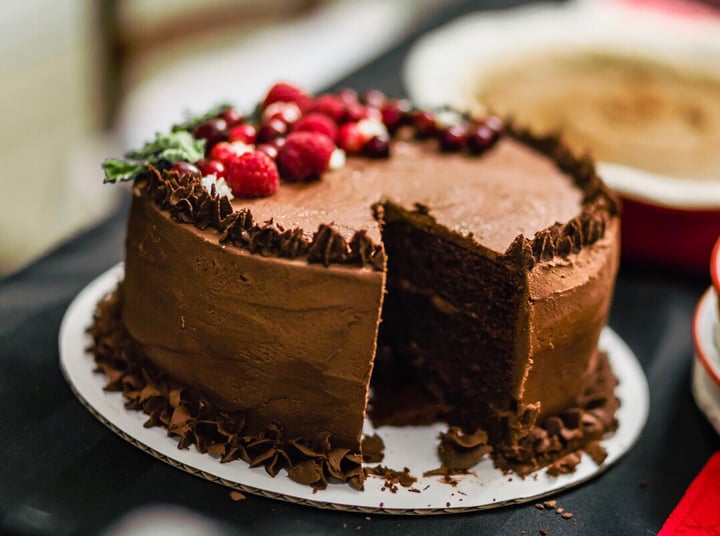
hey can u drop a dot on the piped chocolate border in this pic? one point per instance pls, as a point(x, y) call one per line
point(188, 201)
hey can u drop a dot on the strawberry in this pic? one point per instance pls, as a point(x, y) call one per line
point(252, 174)
point(304, 156)
point(284, 92)
point(316, 122)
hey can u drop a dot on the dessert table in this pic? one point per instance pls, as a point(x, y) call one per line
point(63, 472)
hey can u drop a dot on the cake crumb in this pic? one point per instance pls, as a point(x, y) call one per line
point(550, 504)
point(566, 515)
point(414, 490)
point(237, 496)
point(560, 510)
point(539, 506)
point(543, 532)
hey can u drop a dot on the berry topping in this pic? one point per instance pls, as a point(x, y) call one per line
point(453, 138)
point(317, 122)
point(348, 96)
point(212, 131)
point(252, 174)
point(287, 112)
point(185, 168)
point(396, 114)
point(377, 147)
point(226, 151)
point(269, 149)
point(232, 117)
point(274, 128)
point(373, 98)
point(330, 105)
point(304, 156)
point(480, 139)
point(351, 138)
point(283, 92)
point(358, 112)
point(212, 167)
point(244, 132)
point(424, 123)
point(494, 123)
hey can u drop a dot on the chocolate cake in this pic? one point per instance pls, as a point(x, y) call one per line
point(475, 259)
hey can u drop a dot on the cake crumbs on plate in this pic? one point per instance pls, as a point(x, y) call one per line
point(237, 496)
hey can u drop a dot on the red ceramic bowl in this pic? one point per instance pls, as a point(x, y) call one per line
point(715, 265)
point(673, 236)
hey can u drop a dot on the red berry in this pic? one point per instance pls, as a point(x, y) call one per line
point(185, 168)
point(374, 98)
point(225, 151)
point(453, 138)
point(351, 138)
point(275, 128)
point(253, 174)
point(494, 123)
point(212, 131)
point(244, 132)
point(377, 147)
point(348, 96)
point(269, 149)
point(480, 139)
point(304, 156)
point(283, 92)
point(395, 114)
point(424, 123)
point(358, 112)
point(316, 122)
point(212, 167)
point(231, 116)
point(330, 105)
point(287, 112)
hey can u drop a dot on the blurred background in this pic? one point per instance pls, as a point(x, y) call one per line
point(83, 80)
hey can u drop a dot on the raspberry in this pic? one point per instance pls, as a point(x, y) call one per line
point(304, 156)
point(330, 105)
point(225, 151)
point(284, 92)
point(244, 132)
point(316, 122)
point(252, 174)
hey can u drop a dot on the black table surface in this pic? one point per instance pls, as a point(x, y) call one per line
point(63, 472)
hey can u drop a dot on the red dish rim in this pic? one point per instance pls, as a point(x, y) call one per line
point(699, 351)
point(715, 265)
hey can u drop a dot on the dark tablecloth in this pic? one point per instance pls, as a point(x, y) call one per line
point(63, 472)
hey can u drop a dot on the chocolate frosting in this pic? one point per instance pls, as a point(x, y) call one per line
point(268, 310)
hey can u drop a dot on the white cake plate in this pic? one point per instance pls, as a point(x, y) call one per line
point(411, 447)
point(706, 370)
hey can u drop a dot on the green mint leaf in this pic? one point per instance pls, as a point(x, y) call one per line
point(169, 147)
point(122, 170)
point(192, 121)
point(181, 141)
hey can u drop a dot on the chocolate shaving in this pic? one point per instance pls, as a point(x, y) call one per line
point(459, 451)
point(372, 449)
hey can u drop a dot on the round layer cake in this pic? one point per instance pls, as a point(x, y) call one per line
point(474, 260)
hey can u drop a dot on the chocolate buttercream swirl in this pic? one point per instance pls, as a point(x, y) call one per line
point(459, 451)
point(195, 421)
point(187, 201)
